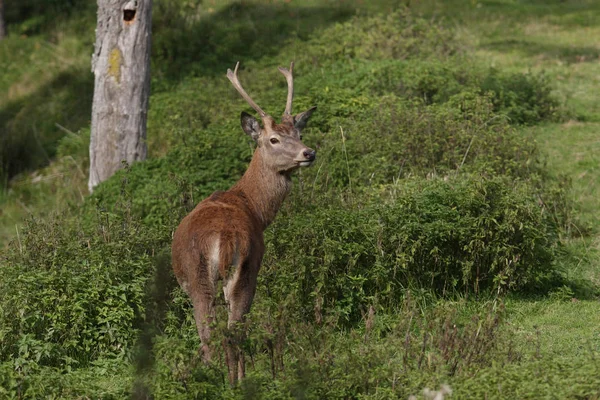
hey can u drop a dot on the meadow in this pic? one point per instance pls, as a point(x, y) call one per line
point(448, 233)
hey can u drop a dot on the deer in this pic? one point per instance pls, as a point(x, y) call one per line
point(222, 237)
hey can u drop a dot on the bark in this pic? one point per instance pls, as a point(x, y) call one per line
point(121, 65)
point(2, 23)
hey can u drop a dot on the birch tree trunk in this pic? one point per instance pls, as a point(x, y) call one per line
point(121, 65)
point(2, 24)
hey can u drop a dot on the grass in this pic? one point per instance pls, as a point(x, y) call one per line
point(46, 93)
point(557, 333)
point(560, 39)
point(566, 328)
point(573, 149)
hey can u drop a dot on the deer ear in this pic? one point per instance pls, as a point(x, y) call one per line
point(250, 125)
point(301, 119)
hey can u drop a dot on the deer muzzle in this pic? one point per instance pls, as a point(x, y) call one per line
point(308, 157)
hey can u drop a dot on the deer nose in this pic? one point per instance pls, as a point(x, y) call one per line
point(310, 154)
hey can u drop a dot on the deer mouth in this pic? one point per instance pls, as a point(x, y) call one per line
point(305, 163)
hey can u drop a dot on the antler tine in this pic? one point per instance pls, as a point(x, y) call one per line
point(290, 81)
point(232, 76)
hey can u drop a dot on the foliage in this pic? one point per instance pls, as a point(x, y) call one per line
point(207, 162)
point(379, 358)
point(463, 134)
point(524, 98)
point(425, 193)
point(107, 379)
point(398, 35)
point(462, 235)
point(70, 295)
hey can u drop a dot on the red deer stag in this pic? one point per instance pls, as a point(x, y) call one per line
point(222, 238)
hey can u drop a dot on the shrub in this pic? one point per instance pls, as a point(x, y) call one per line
point(75, 292)
point(207, 161)
point(105, 379)
point(525, 98)
point(398, 35)
point(382, 357)
point(468, 234)
point(70, 295)
point(395, 139)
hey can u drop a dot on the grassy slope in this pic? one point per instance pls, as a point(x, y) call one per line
point(45, 94)
point(561, 39)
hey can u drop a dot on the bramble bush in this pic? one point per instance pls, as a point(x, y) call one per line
point(398, 35)
point(466, 234)
point(412, 138)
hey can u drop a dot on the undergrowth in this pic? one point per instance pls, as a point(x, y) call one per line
point(425, 197)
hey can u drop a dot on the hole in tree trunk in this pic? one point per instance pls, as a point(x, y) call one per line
point(128, 15)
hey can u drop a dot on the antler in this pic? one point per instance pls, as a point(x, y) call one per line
point(232, 76)
point(290, 81)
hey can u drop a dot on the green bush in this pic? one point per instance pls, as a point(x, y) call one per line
point(398, 35)
point(432, 81)
point(524, 98)
point(70, 295)
point(104, 379)
point(380, 358)
point(463, 235)
point(75, 292)
point(395, 139)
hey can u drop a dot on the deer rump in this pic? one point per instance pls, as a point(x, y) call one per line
point(216, 238)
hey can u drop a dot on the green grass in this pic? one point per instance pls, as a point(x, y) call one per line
point(573, 149)
point(566, 327)
point(560, 39)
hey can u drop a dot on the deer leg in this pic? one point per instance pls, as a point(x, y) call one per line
point(239, 293)
point(204, 314)
point(204, 296)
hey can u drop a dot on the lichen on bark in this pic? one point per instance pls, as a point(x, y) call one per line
point(114, 64)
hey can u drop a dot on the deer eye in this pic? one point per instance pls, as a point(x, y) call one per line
point(274, 140)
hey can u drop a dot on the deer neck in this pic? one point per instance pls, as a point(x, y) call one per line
point(265, 189)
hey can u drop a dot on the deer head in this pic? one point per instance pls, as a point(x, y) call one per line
point(279, 145)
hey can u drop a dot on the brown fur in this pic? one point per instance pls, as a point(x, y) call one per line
point(234, 221)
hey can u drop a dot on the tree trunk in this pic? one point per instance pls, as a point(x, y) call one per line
point(121, 65)
point(2, 24)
